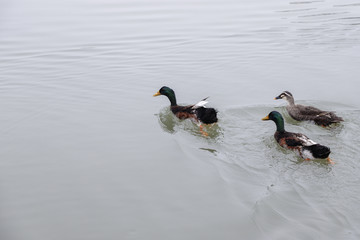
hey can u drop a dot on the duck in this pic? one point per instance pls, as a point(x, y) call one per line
point(307, 148)
point(303, 113)
point(198, 112)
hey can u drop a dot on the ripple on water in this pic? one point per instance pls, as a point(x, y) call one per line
point(241, 134)
point(296, 189)
point(280, 187)
point(171, 124)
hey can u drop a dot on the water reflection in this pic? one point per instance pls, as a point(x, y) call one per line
point(171, 124)
point(213, 151)
point(167, 120)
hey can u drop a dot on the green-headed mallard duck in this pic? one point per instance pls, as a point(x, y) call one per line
point(198, 111)
point(301, 113)
point(307, 148)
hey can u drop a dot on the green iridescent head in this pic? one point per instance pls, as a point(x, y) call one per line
point(166, 91)
point(277, 118)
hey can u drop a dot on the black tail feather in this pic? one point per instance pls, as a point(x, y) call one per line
point(206, 115)
point(319, 151)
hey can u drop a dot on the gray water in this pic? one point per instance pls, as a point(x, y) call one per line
point(87, 152)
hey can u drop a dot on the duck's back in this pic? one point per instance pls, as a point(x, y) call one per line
point(203, 114)
point(307, 148)
point(301, 112)
point(292, 140)
point(309, 113)
point(183, 112)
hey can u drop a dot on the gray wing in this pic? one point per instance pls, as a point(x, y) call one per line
point(301, 112)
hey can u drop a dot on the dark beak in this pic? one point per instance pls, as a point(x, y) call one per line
point(278, 97)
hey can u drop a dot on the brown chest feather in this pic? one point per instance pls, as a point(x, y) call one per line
point(184, 115)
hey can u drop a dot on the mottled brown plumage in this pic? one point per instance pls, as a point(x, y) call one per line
point(308, 113)
point(183, 112)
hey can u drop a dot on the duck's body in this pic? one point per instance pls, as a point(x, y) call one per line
point(308, 113)
point(307, 148)
point(198, 111)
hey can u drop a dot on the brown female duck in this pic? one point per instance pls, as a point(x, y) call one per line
point(303, 113)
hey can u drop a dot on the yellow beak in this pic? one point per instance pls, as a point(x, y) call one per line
point(157, 94)
point(265, 118)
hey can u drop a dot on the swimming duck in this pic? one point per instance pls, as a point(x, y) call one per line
point(198, 111)
point(301, 112)
point(307, 148)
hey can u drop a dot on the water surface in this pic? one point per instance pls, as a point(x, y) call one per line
point(88, 153)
